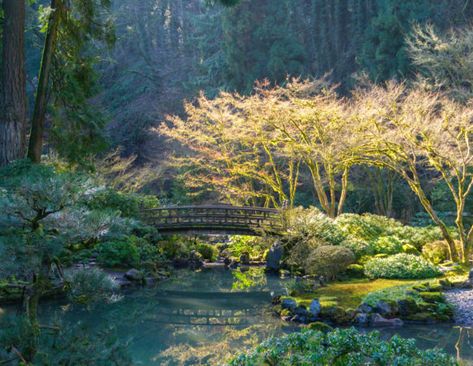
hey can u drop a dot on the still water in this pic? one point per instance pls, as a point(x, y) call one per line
point(203, 318)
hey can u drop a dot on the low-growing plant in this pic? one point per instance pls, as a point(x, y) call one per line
point(338, 348)
point(436, 252)
point(394, 293)
point(118, 253)
point(400, 266)
point(90, 285)
point(329, 261)
point(207, 251)
point(254, 246)
point(128, 204)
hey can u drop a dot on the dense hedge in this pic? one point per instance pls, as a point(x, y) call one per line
point(400, 266)
point(339, 348)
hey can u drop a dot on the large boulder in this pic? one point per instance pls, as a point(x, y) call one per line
point(274, 257)
point(386, 308)
point(365, 308)
point(407, 307)
point(134, 275)
point(289, 304)
point(362, 319)
point(315, 308)
point(378, 320)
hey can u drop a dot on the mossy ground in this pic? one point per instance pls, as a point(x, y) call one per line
point(349, 294)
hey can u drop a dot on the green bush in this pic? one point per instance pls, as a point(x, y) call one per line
point(436, 252)
point(207, 251)
point(119, 253)
point(329, 261)
point(387, 245)
point(400, 266)
point(254, 246)
point(359, 247)
point(392, 294)
point(338, 348)
point(89, 285)
point(128, 204)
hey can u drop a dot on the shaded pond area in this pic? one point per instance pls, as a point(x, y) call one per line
point(203, 318)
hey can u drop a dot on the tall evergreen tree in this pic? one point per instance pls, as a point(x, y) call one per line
point(13, 87)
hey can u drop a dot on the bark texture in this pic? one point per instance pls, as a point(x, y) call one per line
point(13, 88)
point(39, 114)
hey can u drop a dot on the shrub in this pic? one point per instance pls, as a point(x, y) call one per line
point(90, 285)
point(436, 252)
point(129, 204)
point(340, 347)
point(207, 251)
point(305, 225)
point(329, 260)
point(389, 294)
point(387, 245)
point(254, 246)
point(359, 247)
point(400, 266)
point(118, 253)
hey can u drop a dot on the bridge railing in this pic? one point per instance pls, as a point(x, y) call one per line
point(214, 217)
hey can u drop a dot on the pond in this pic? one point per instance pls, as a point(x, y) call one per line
point(202, 318)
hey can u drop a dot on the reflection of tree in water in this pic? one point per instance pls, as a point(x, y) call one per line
point(223, 344)
point(252, 277)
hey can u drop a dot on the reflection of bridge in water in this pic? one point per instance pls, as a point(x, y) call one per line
point(211, 308)
point(214, 219)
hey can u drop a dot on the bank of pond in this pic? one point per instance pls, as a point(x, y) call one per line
point(211, 315)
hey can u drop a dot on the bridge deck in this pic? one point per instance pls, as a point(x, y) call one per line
point(214, 219)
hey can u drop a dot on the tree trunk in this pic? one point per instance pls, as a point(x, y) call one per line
point(13, 91)
point(39, 114)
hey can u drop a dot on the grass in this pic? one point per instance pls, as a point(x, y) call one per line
point(349, 294)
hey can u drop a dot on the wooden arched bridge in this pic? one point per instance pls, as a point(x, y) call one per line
point(214, 219)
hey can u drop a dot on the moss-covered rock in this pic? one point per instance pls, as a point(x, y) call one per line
point(336, 315)
point(432, 297)
point(407, 306)
point(320, 326)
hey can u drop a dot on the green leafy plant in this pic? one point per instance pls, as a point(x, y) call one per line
point(340, 347)
point(400, 266)
point(208, 251)
point(118, 253)
point(329, 261)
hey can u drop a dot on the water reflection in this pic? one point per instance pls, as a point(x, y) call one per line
point(206, 317)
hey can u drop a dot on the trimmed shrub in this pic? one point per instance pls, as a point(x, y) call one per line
point(254, 246)
point(387, 245)
point(340, 347)
point(329, 261)
point(118, 253)
point(436, 252)
point(207, 251)
point(400, 266)
point(358, 246)
point(129, 204)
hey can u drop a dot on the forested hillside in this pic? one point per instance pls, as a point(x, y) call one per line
point(169, 50)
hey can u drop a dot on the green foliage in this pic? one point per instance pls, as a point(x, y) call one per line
point(78, 130)
point(329, 261)
point(88, 286)
point(207, 251)
point(400, 266)
point(69, 345)
point(119, 253)
point(128, 204)
point(340, 347)
point(380, 234)
point(392, 294)
point(254, 246)
point(436, 252)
